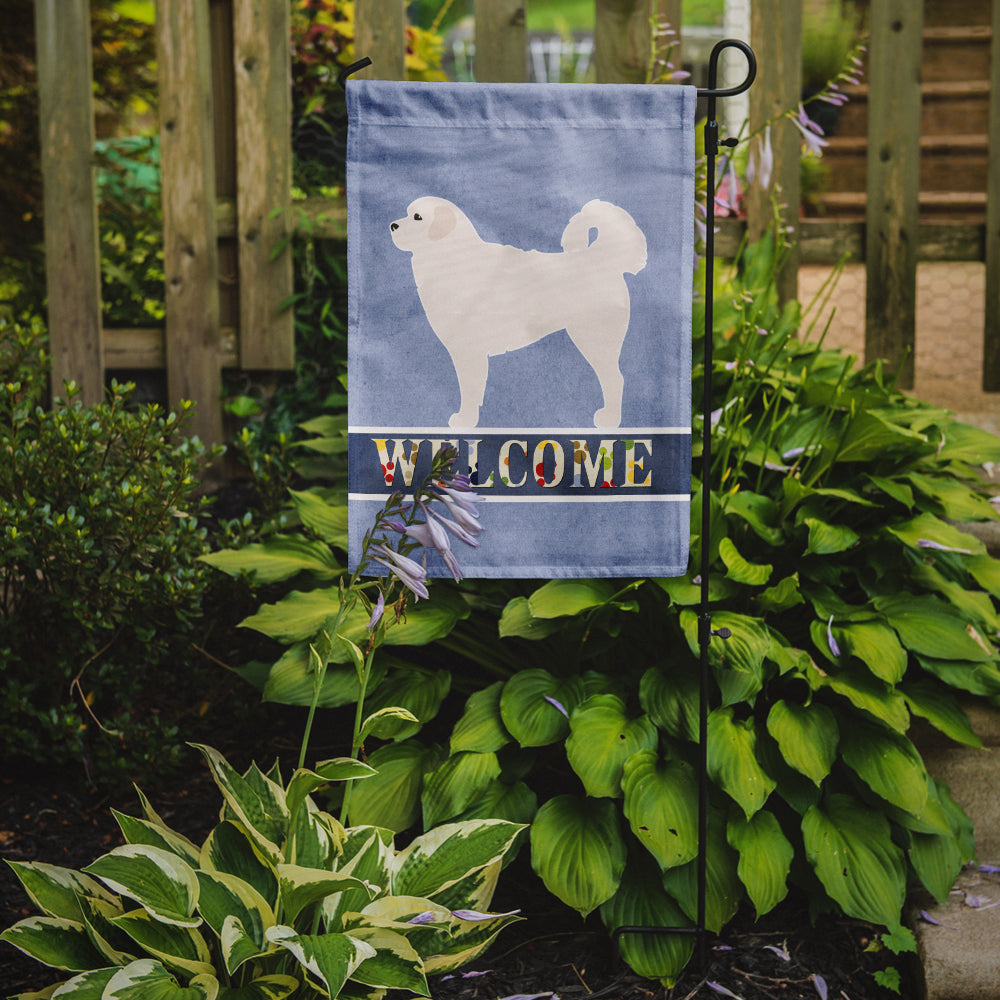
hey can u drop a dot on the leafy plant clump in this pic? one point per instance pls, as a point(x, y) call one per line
point(101, 584)
point(280, 899)
point(854, 604)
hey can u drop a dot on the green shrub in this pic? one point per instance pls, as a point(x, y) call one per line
point(99, 539)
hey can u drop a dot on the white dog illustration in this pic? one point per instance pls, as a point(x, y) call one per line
point(484, 299)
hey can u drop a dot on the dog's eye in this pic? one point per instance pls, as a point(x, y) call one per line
point(417, 217)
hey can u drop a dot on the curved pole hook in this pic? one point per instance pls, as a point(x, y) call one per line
point(713, 69)
point(353, 68)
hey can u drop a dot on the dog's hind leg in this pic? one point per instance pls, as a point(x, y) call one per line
point(601, 346)
point(472, 372)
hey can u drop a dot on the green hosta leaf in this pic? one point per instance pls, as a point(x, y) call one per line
point(738, 661)
point(986, 571)
point(723, 889)
point(481, 728)
point(965, 443)
point(391, 798)
point(180, 948)
point(418, 690)
point(671, 699)
point(765, 858)
point(827, 539)
point(559, 598)
point(758, 511)
point(888, 763)
point(931, 628)
point(865, 692)
point(850, 847)
point(661, 799)
point(327, 520)
point(274, 987)
point(147, 979)
point(279, 558)
point(876, 646)
point(578, 851)
point(739, 569)
point(928, 528)
point(732, 760)
point(956, 500)
point(87, 986)
point(941, 709)
point(54, 941)
point(395, 964)
point(530, 706)
point(225, 897)
point(238, 944)
point(976, 678)
point(684, 592)
point(783, 595)
point(807, 736)
point(937, 860)
point(301, 887)
point(976, 605)
point(602, 738)
point(641, 901)
point(159, 881)
point(385, 723)
point(456, 784)
point(515, 803)
point(869, 436)
point(260, 809)
point(438, 859)
point(56, 891)
point(330, 959)
point(304, 782)
point(517, 620)
point(231, 850)
point(141, 831)
point(292, 681)
point(893, 488)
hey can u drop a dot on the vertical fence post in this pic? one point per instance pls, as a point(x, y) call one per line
point(190, 252)
point(72, 257)
point(501, 39)
point(776, 34)
point(380, 34)
point(991, 332)
point(893, 183)
point(621, 40)
point(262, 61)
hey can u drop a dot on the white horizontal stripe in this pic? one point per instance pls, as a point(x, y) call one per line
point(447, 432)
point(596, 497)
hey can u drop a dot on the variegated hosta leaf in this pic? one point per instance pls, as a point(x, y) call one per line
point(456, 784)
point(642, 902)
point(476, 890)
point(850, 847)
point(230, 849)
point(467, 940)
point(535, 706)
point(225, 897)
point(147, 979)
point(256, 801)
point(315, 838)
point(273, 987)
point(56, 891)
point(807, 736)
point(481, 727)
point(578, 851)
point(141, 831)
point(441, 857)
point(888, 763)
point(765, 858)
point(602, 737)
point(395, 964)
point(304, 782)
point(661, 799)
point(86, 986)
point(300, 887)
point(177, 947)
point(329, 959)
point(367, 853)
point(54, 941)
point(391, 799)
point(159, 881)
point(732, 760)
point(116, 947)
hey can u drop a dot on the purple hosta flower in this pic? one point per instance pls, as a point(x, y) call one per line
point(558, 705)
point(377, 612)
point(719, 988)
point(834, 648)
point(728, 195)
point(780, 952)
point(820, 983)
point(410, 573)
point(811, 132)
point(465, 975)
point(990, 869)
point(530, 996)
point(927, 918)
point(427, 917)
point(475, 915)
point(760, 165)
point(927, 543)
point(462, 534)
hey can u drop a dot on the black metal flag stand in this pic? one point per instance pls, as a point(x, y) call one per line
point(705, 631)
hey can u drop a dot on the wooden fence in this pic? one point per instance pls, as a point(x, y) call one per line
point(226, 161)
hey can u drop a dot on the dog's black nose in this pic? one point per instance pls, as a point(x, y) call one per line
point(393, 227)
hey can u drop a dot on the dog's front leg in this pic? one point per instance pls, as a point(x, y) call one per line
point(472, 372)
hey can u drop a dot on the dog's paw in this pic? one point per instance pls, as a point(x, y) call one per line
point(463, 421)
point(607, 416)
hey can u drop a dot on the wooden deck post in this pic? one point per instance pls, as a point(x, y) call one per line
point(991, 333)
point(776, 36)
point(621, 40)
point(380, 34)
point(190, 252)
point(892, 240)
point(501, 39)
point(72, 255)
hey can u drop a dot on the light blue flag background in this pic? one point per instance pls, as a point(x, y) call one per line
point(519, 161)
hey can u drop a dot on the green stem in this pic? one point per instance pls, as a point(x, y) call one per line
point(356, 737)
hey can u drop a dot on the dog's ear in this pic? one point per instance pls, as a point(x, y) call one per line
point(444, 222)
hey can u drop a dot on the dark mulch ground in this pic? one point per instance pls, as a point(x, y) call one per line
point(61, 822)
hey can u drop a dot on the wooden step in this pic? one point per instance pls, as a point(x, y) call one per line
point(956, 53)
point(957, 206)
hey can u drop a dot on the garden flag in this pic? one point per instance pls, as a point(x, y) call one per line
point(520, 262)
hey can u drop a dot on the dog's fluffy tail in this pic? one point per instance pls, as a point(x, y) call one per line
point(619, 239)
